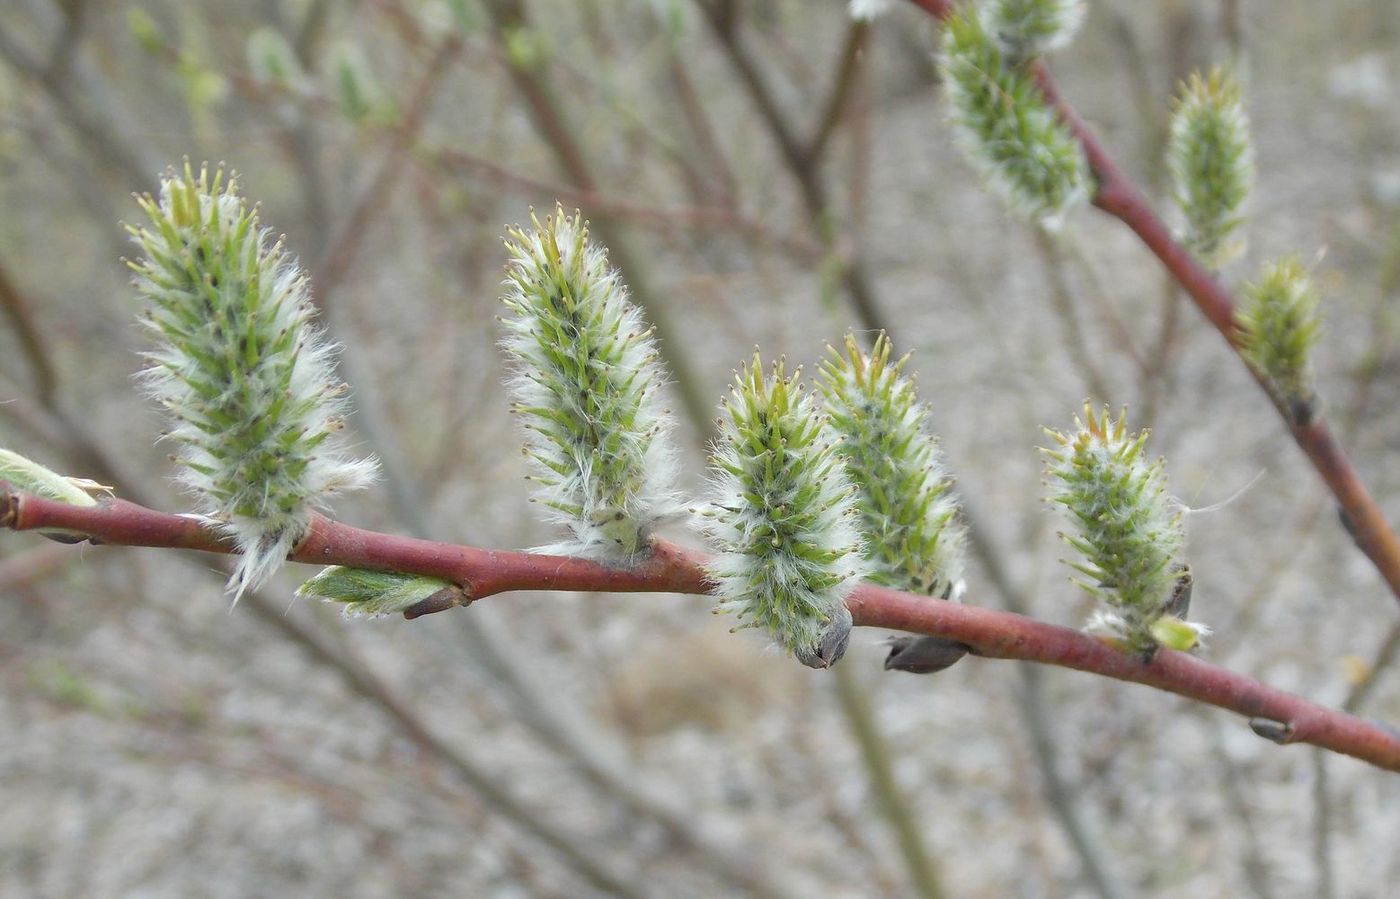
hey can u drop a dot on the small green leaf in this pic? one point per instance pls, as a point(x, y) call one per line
point(145, 31)
point(378, 593)
point(31, 477)
point(1173, 633)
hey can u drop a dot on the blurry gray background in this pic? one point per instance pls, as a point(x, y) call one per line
point(154, 743)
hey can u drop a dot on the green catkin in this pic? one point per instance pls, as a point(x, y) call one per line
point(587, 386)
point(1028, 28)
point(908, 514)
point(246, 378)
point(1127, 529)
point(1006, 128)
point(1210, 155)
point(1279, 324)
point(782, 517)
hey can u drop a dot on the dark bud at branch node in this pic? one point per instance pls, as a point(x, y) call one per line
point(1279, 732)
point(924, 655)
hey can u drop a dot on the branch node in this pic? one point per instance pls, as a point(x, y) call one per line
point(441, 601)
point(924, 655)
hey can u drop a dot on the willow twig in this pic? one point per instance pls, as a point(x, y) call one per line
point(991, 633)
point(1118, 196)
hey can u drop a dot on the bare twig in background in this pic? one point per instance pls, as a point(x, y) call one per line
point(1256, 862)
point(1062, 300)
point(1385, 657)
point(79, 106)
point(336, 264)
point(923, 870)
point(475, 774)
point(804, 166)
point(1322, 829)
point(724, 219)
point(21, 318)
point(1034, 704)
point(32, 565)
point(841, 90)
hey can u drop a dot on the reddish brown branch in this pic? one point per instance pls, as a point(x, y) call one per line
point(1118, 196)
point(481, 572)
point(671, 569)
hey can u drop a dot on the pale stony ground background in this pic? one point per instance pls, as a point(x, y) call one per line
point(155, 744)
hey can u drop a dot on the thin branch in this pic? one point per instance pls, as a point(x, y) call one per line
point(726, 218)
point(1322, 828)
point(923, 870)
point(20, 314)
point(841, 90)
point(699, 124)
point(1254, 859)
point(1035, 706)
point(991, 633)
point(803, 167)
point(1062, 302)
point(485, 783)
point(91, 123)
point(336, 264)
point(1119, 196)
point(1386, 655)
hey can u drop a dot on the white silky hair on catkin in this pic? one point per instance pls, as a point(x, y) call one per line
point(595, 426)
point(238, 349)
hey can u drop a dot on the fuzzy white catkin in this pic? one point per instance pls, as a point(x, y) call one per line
point(782, 518)
point(247, 379)
point(1210, 155)
point(1125, 525)
point(587, 385)
point(867, 10)
point(909, 514)
point(1027, 28)
point(1007, 129)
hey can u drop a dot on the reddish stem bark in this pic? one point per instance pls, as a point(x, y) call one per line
point(672, 569)
point(1118, 196)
